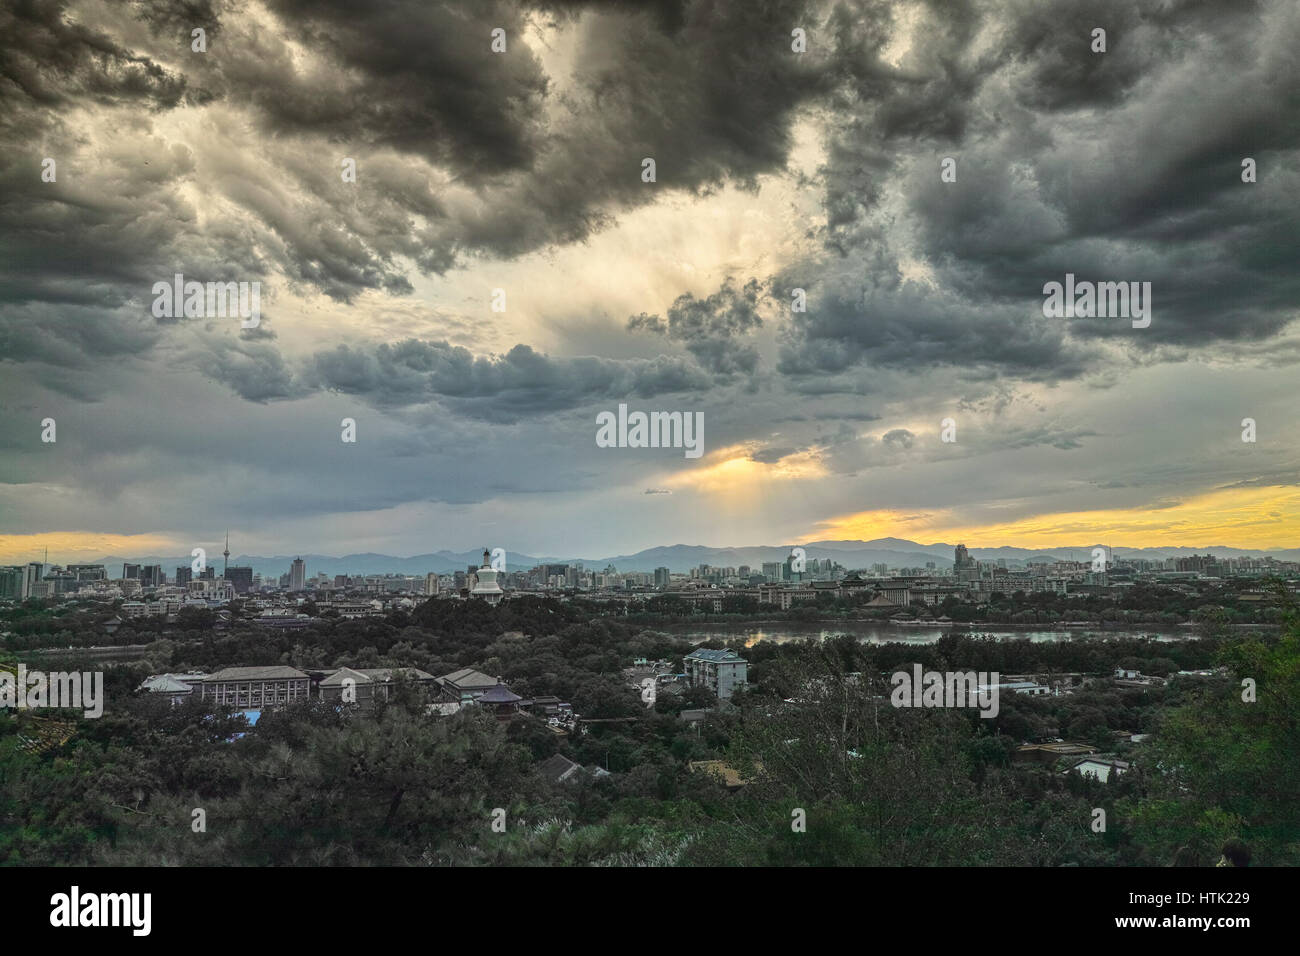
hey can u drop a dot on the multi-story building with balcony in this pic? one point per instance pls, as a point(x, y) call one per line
point(257, 687)
point(720, 671)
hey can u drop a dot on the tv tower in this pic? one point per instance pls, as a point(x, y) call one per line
point(226, 555)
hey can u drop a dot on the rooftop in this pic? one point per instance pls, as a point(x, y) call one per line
point(278, 672)
point(366, 675)
point(500, 694)
point(467, 678)
point(558, 767)
point(717, 657)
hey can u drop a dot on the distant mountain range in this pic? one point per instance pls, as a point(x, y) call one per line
point(894, 552)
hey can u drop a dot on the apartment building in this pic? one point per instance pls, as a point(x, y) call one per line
point(720, 671)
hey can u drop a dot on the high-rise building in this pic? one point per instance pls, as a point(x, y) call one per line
point(60, 582)
point(32, 575)
point(88, 572)
point(964, 567)
point(11, 583)
point(240, 578)
point(130, 571)
point(151, 576)
point(662, 577)
point(297, 575)
point(431, 583)
point(184, 575)
point(549, 570)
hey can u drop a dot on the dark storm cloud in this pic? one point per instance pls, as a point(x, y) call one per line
point(709, 90)
point(770, 456)
point(71, 336)
point(921, 294)
point(709, 327)
point(885, 321)
point(48, 61)
point(64, 242)
point(520, 384)
point(710, 96)
point(94, 239)
point(253, 369)
point(1122, 166)
point(415, 76)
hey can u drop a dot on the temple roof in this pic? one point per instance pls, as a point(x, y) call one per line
point(500, 694)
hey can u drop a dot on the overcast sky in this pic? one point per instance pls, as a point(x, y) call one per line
point(522, 171)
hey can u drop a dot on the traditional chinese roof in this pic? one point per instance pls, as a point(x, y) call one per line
point(501, 694)
point(468, 679)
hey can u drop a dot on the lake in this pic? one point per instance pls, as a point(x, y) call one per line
point(883, 632)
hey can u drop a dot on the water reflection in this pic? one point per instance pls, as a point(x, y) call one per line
point(878, 633)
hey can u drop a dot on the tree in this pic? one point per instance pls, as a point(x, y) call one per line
point(1220, 766)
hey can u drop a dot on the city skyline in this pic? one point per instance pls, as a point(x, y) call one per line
point(499, 272)
point(682, 555)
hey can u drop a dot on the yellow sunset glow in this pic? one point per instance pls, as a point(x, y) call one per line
point(732, 472)
point(77, 547)
point(1261, 518)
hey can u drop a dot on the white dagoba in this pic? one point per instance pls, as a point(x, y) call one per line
point(486, 586)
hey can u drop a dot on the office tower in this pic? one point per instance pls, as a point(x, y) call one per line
point(662, 577)
point(11, 583)
point(431, 583)
point(32, 575)
point(552, 569)
point(88, 572)
point(184, 575)
point(297, 575)
point(240, 578)
point(57, 581)
point(151, 576)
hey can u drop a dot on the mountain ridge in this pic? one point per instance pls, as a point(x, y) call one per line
point(852, 554)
